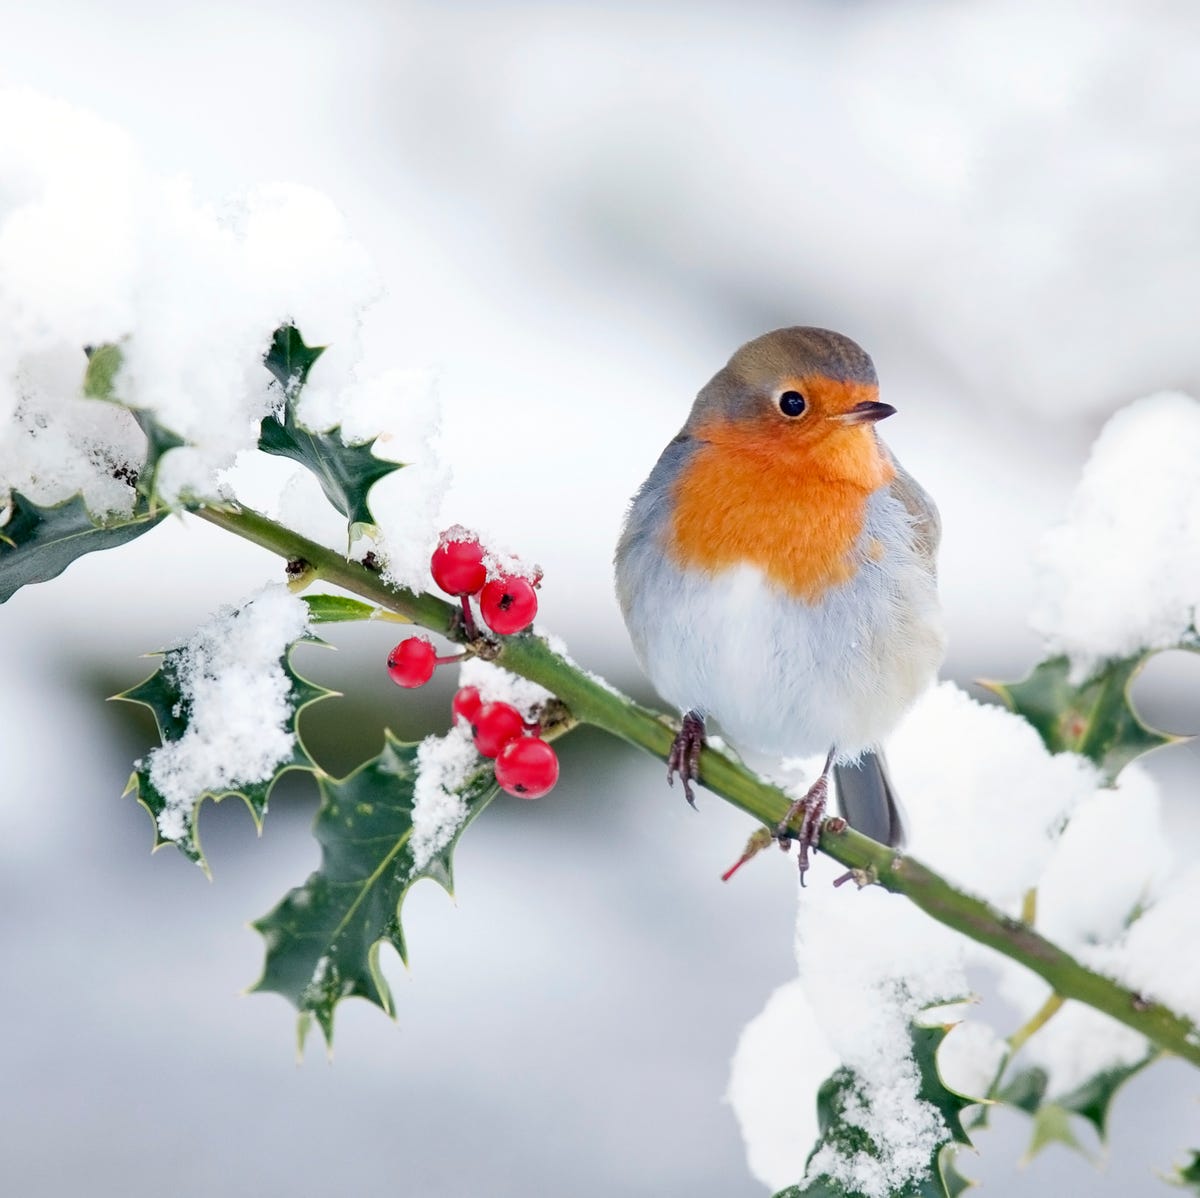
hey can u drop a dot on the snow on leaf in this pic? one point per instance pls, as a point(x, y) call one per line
point(39, 543)
point(104, 361)
point(227, 728)
point(845, 1153)
point(1095, 718)
point(346, 472)
point(323, 938)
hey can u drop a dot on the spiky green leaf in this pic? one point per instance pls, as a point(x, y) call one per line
point(1052, 1121)
point(1093, 1098)
point(163, 694)
point(323, 939)
point(346, 472)
point(842, 1092)
point(39, 543)
point(1052, 1125)
point(1026, 1091)
point(1187, 1175)
point(1095, 718)
point(954, 1182)
point(290, 360)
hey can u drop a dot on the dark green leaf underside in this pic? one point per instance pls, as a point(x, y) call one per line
point(39, 543)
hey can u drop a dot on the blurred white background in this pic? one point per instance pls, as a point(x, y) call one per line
point(579, 211)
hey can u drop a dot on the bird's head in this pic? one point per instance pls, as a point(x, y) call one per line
point(794, 393)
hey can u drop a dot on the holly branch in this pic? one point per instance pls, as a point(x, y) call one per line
point(591, 701)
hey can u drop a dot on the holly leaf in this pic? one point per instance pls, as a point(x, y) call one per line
point(338, 609)
point(1026, 1090)
point(1093, 1098)
point(290, 360)
point(1052, 1125)
point(163, 694)
point(1187, 1176)
point(1052, 1121)
point(954, 1182)
point(1095, 718)
point(324, 937)
point(39, 543)
point(843, 1093)
point(346, 472)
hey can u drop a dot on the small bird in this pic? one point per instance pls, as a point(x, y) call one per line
point(777, 574)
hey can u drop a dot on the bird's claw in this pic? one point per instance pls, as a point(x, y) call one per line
point(812, 805)
point(684, 758)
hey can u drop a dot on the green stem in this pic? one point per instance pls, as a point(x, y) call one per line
point(594, 702)
point(1035, 1023)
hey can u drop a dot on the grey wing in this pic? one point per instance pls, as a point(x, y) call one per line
point(650, 509)
point(927, 524)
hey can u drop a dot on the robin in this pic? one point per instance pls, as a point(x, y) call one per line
point(777, 574)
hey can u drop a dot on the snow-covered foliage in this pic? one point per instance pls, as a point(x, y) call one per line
point(444, 763)
point(96, 248)
point(236, 699)
point(1122, 573)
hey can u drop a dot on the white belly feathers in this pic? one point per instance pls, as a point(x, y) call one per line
point(778, 674)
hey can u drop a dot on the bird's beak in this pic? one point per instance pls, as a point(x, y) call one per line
point(866, 412)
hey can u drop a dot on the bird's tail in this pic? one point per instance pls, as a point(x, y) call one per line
point(867, 799)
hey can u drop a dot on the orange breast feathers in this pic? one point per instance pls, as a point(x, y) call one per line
point(792, 507)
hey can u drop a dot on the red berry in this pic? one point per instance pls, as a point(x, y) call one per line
point(457, 567)
point(467, 703)
point(527, 767)
point(508, 604)
point(494, 725)
point(412, 662)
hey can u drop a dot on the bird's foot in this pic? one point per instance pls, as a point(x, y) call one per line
point(684, 758)
point(811, 811)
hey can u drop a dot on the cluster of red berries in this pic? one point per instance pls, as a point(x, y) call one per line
point(526, 765)
point(507, 602)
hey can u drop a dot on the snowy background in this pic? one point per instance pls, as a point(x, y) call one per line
point(577, 212)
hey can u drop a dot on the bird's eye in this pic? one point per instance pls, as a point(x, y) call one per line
point(792, 403)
